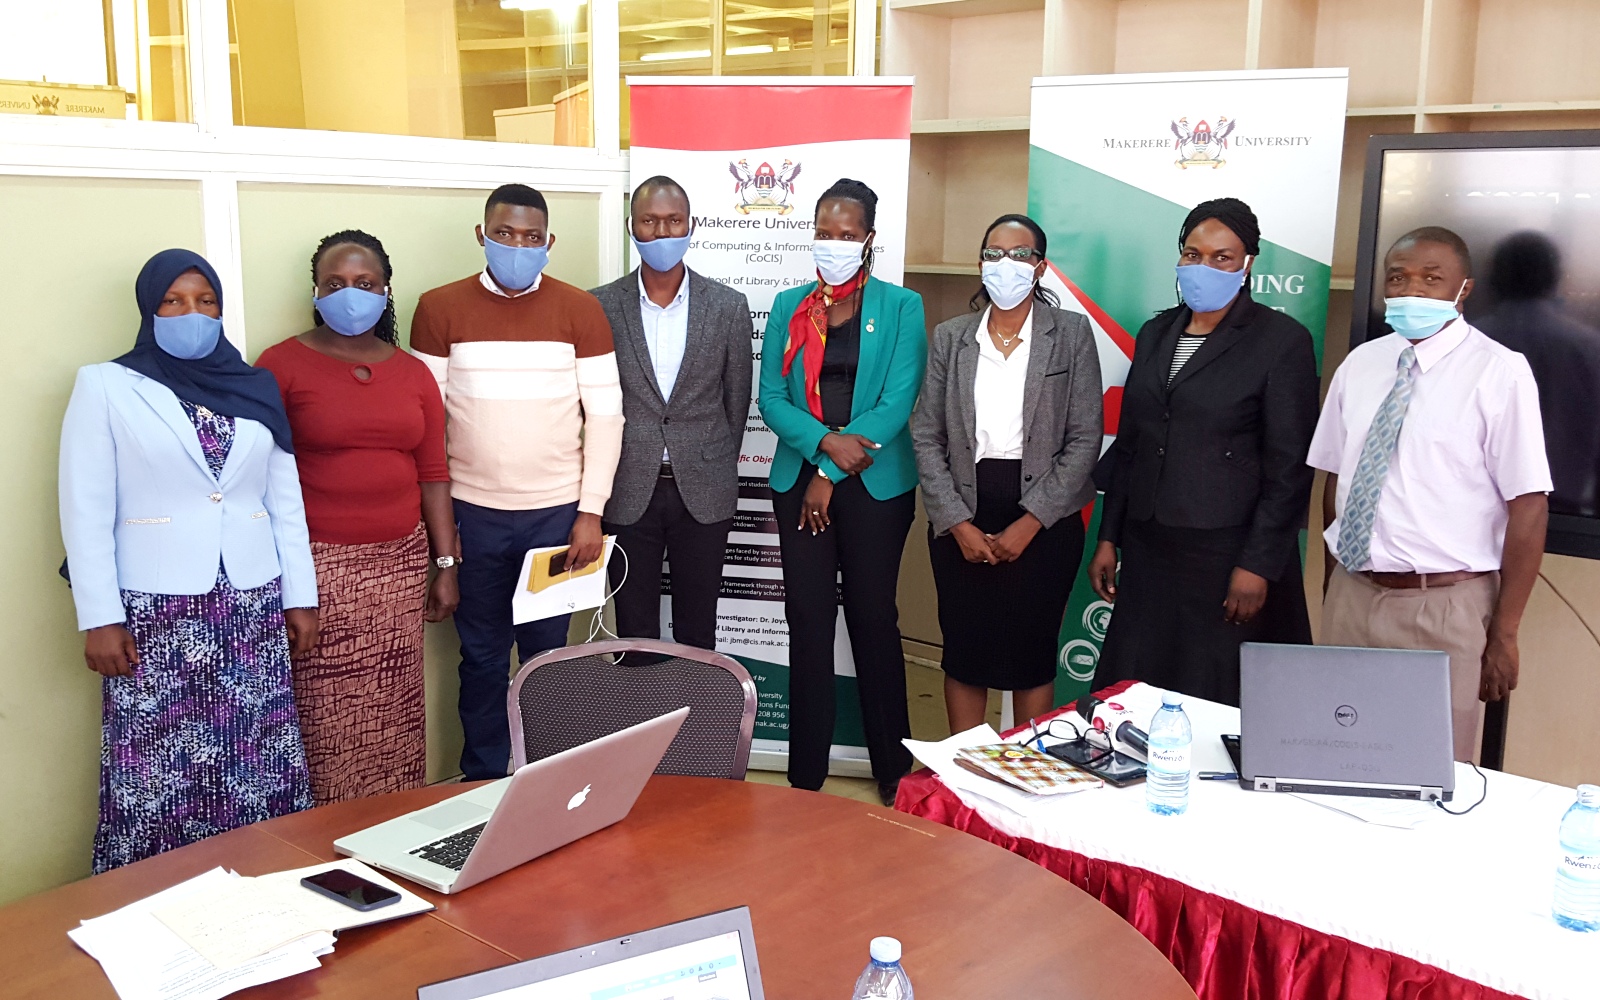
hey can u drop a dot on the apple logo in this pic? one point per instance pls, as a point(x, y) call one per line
point(577, 800)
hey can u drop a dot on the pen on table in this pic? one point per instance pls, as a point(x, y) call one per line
point(1219, 776)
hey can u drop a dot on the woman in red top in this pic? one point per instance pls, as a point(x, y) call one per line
point(368, 429)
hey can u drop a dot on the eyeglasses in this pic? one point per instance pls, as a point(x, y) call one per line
point(1023, 254)
point(1067, 730)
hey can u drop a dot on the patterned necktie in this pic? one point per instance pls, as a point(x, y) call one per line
point(1366, 486)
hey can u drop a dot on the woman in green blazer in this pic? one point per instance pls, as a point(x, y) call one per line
point(841, 364)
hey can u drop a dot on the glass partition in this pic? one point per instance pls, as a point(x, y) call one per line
point(506, 70)
point(734, 38)
point(95, 59)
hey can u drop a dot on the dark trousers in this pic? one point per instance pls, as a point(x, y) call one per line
point(493, 545)
point(862, 547)
point(667, 529)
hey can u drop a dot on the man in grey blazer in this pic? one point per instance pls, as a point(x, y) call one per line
point(683, 347)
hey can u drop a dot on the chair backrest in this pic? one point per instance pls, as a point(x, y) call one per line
point(567, 697)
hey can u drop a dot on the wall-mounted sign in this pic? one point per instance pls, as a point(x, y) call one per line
point(68, 100)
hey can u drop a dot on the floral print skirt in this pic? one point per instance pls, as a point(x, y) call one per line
point(203, 737)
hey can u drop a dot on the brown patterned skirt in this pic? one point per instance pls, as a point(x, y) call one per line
point(360, 691)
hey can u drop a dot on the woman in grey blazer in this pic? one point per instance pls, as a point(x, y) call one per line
point(1006, 432)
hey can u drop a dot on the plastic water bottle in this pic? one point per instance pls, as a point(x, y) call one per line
point(1166, 784)
point(883, 978)
point(1577, 905)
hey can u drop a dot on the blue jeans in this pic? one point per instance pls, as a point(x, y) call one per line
point(493, 545)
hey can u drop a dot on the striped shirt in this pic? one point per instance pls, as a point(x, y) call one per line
point(531, 396)
point(1187, 345)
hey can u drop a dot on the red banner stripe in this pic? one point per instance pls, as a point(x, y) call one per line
point(757, 116)
point(1113, 329)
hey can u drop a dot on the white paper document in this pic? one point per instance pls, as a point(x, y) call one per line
point(542, 593)
point(218, 933)
point(145, 960)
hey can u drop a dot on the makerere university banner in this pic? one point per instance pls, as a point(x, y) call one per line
point(1115, 163)
point(754, 154)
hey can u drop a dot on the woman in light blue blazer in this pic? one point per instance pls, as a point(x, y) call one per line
point(840, 368)
point(191, 572)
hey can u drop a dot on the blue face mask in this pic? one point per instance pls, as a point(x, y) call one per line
point(664, 252)
point(516, 268)
point(350, 312)
point(1417, 318)
point(191, 336)
point(1206, 289)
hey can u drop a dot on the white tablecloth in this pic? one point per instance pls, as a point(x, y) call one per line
point(1468, 894)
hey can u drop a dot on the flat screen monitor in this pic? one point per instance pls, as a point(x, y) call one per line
point(1528, 206)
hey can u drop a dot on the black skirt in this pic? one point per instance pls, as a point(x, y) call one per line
point(1001, 623)
point(1167, 628)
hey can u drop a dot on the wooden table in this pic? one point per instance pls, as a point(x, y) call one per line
point(821, 875)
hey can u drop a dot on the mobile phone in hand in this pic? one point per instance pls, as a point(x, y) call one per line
point(350, 889)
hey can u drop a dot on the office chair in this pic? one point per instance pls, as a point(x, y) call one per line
point(569, 696)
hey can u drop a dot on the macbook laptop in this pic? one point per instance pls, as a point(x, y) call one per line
point(1336, 720)
point(708, 958)
point(547, 804)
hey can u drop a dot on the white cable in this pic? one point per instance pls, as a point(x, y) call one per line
point(597, 625)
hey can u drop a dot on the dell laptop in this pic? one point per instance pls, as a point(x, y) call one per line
point(1337, 720)
point(713, 956)
point(547, 804)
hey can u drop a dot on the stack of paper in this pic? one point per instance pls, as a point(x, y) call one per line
point(218, 933)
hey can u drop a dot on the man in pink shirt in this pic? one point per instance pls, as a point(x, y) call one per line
point(1437, 479)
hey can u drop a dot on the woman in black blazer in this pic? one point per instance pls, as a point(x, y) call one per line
point(1206, 487)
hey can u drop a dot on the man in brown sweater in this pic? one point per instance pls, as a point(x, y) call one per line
point(534, 430)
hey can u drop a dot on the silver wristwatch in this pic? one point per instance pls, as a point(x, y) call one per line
point(445, 562)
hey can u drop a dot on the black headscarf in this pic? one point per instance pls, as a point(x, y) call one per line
point(221, 381)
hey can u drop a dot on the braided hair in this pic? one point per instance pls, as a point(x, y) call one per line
point(1231, 212)
point(847, 189)
point(1040, 243)
point(387, 327)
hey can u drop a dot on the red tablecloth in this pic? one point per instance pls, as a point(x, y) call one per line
point(1225, 950)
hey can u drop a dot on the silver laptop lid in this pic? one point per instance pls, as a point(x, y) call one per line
point(709, 956)
point(1338, 713)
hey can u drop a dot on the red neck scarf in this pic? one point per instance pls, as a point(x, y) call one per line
point(808, 329)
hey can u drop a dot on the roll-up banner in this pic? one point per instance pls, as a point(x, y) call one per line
point(754, 154)
point(1115, 163)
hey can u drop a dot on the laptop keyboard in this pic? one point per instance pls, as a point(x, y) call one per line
point(451, 851)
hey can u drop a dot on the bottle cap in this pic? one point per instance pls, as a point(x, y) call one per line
point(1589, 795)
point(885, 950)
point(1172, 698)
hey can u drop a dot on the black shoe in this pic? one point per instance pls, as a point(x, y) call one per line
point(887, 792)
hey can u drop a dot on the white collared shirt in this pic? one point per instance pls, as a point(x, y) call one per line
point(1471, 441)
point(489, 283)
point(997, 392)
point(666, 335)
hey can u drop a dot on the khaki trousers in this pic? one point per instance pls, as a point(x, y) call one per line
point(1454, 618)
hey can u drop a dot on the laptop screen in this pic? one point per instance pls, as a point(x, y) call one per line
point(712, 957)
point(709, 969)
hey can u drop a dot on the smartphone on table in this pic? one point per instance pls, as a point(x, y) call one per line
point(350, 889)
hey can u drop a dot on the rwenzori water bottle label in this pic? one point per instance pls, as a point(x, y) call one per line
point(1170, 758)
point(1584, 867)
